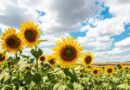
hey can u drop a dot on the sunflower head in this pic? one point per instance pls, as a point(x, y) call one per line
point(30, 33)
point(42, 58)
point(3, 57)
point(95, 71)
point(67, 51)
point(119, 67)
point(88, 58)
point(11, 41)
point(125, 67)
point(51, 59)
point(109, 70)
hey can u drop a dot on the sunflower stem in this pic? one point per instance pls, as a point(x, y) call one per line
point(10, 72)
point(37, 65)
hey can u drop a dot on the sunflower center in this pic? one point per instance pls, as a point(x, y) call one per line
point(88, 60)
point(52, 61)
point(68, 53)
point(126, 68)
point(42, 58)
point(30, 35)
point(13, 41)
point(2, 58)
point(95, 71)
point(109, 70)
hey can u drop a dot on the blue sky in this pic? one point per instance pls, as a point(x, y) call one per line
point(100, 26)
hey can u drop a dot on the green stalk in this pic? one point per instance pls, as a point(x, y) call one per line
point(37, 65)
point(10, 72)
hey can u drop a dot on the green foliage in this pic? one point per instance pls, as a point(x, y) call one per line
point(36, 52)
point(32, 74)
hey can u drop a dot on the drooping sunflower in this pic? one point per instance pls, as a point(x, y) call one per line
point(3, 57)
point(30, 33)
point(68, 51)
point(88, 58)
point(95, 71)
point(109, 70)
point(51, 59)
point(11, 41)
point(42, 58)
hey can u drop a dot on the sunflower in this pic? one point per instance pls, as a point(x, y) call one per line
point(30, 33)
point(125, 67)
point(42, 58)
point(51, 59)
point(109, 70)
point(95, 71)
point(120, 67)
point(68, 51)
point(3, 57)
point(11, 41)
point(88, 58)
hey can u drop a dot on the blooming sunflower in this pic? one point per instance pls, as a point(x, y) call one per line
point(51, 59)
point(109, 70)
point(3, 57)
point(11, 41)
point(125, 67)
point(42, 58)
point(88, 58)
point(68, 51)
point(95, 71)
point(30, 33)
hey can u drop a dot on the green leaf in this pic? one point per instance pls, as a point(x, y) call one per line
point(28, 78)
point(37, 78)
point(73, 75)
point(77, 86)
point(25, 56)
point(15, 61)
point(39, 52)
point(8, 87)
point(56, 86)
point(36, 53)
point(59, 86)
point(16, 86)
point(67, 72)
point(124, 86)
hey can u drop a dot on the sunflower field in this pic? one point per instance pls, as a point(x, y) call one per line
point(67, 68)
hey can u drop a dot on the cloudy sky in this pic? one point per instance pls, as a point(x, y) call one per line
point(101, 26)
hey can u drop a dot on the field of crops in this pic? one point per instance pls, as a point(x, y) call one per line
point(67, 68)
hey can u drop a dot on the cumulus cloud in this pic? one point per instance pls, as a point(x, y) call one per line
point(125, 43)
point(61, 15)
point(65, 15)
point(13, 13)
point(105, 30)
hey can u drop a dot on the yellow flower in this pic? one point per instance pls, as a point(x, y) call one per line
point(125, 67)
point(42, 58)
point(88, 58)
point(109, 70)
point(3, 57)
point(68, 51)
point(11, 41)
point(95, 71)
point(51, 59)
point(30, 33)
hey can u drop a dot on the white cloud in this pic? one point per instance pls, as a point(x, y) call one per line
point(119, 53)
point(65, 15)
point(124, 43)
point(13, 13)
point(105, 30)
